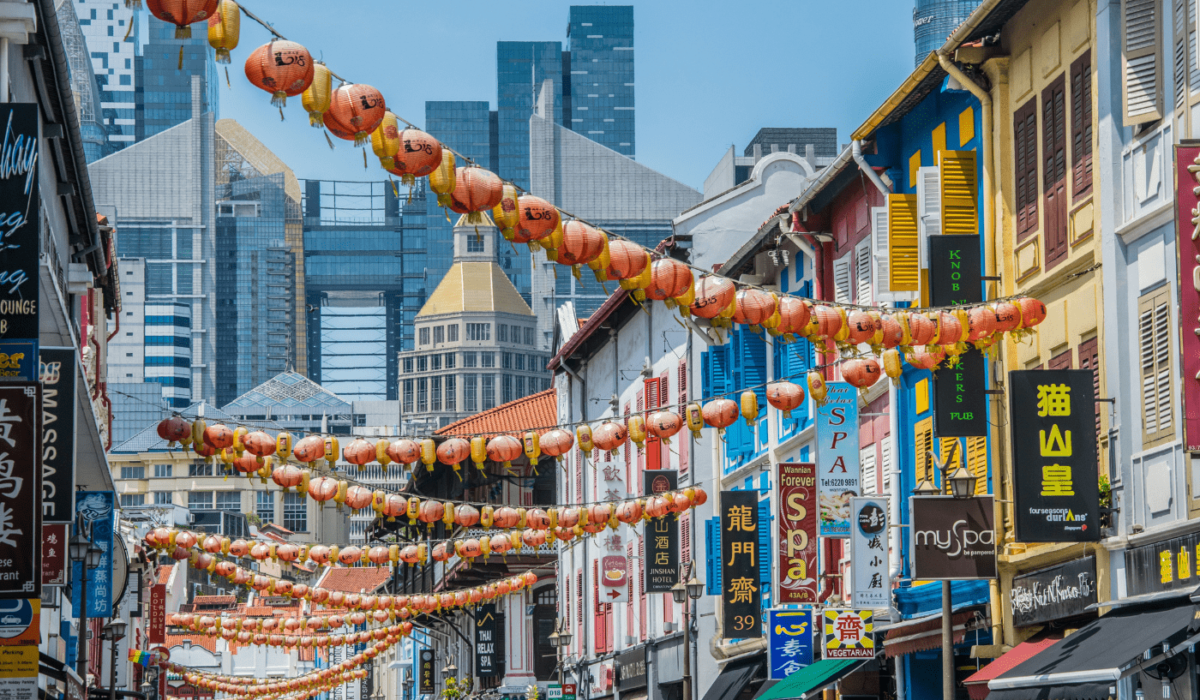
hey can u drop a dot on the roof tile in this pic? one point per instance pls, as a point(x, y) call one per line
point(199, 640)
point(535, 410)
point(357, 579)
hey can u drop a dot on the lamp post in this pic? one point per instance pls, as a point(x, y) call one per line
point(81, 549)
point(682, 592)
point(113, 632)
point(561, 639)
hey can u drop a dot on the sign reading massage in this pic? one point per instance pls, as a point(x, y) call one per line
point(1054, 593)
point(953, 538)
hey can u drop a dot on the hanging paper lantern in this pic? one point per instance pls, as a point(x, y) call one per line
point(466, 515)
point(862, 326)
point(174, 429)
point(453, 452)
point(892, 366)
point(981, 322)
point(920, 328)
point(350, 555)
point(536, 219)
point(610, 436)
point(247, 464)
point(949, 329)
point(816, 387)
point(185, 539)
point(404, 451)
point(282, 68)
point(793, 315)
point(668, 279)
point(713, 295)
point(259, 444)
point(475, 190)
point(1008, 316)
point(861, 372)
point(749, 404)
point(322, 488)
point(309, 450)
point(923, 359)
point(385, 140)
point(664, 425)
point(629, 512)
point(287, 476)
point(419, 155)
point(892, 331)
point(720, 414)
point(218, 437)
point(626, 260)
point(1033, 312)
point(505, 518)
point(428, 453)
point(354, 112)
point(785, 396)
point(753, 307)
point(504, 449)
point(537, 519)
point(182, 13)
point(581, 244)
point(358, 497)
point(359, 452)
point(239, 548)
point(505, 214)
point(656, 506)
point(823, 326)
point(556, 443)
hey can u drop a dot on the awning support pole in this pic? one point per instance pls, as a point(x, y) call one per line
point(947, 645)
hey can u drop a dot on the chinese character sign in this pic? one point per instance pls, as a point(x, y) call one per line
point(97, 514)
point(20, 490)
point(57, 371)
point(662, 536)
point(797, 567)
point(54, 554)
point(790, 640)
point(848, 634)
point(1055, 479)
point(837, 458)
point(741, 596)
point(425, 678)
point(869, 553)
point(1187, 226)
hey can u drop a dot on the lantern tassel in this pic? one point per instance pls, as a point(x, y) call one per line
point(130, 29)
point(396, 194)
point(329, 140)
point(181, 48)
point(223, 56)
point(316, 120)
point(364, 160)
point(279, 98)
point(281, 114)
point(183, 32)
point(227, 83)
point(133, 4)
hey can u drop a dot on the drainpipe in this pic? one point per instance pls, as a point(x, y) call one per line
point(989, 203)
point(856, 153)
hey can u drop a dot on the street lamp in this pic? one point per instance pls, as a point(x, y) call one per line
point(113, 632)
point(681, 592)
point(407, 683)
point(962, 485)
point(560, 639)
point(88, 555)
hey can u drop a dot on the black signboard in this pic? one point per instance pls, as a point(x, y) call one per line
point(953, 538)
point(489, 641)
point(960, 401)
point(662, 535)
point(426, 680)
point(1054, 593)
point(1163, 566)
point(20, 488)
point(631, 669)
point(57, 373)
point(741, 594)
point(19, 223)
point(954, 271)
point(1054, 455)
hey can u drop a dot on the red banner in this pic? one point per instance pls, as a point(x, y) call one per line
point(157, 634)
point(54, 554)
point(1187, 209)
point(797, 533)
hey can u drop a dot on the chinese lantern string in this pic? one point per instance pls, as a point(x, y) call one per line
point(695, 268)
point(256, 683)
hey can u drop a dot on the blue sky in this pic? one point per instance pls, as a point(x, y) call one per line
point(707, 77)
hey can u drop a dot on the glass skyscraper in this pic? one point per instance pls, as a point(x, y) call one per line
point(600, 79)
point(521, 66)
point(933, 20)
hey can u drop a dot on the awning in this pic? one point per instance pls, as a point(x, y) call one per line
point(735, 676)
point(977, 682)
point(925, 633)
point(1089, 663)
point(810, 679)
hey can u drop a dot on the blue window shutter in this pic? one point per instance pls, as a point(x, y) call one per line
point(712, 560)
point(754, 365)
point(706, 379)
point(764, 549)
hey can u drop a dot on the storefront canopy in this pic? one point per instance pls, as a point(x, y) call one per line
point(810, 679)
point(977, 683)
point(735, 676)
point(1089, 663)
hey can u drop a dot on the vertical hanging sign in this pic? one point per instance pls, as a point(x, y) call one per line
point(869, 553)
point(741, 597)
point(426, 680)
point(157, 632)
point(1187, 211)
point(57, 371)
point(797, 567)
point(20, 490)
point(489, 641)
point(19, 241)
point(97, 515)
point(789, 641)
point(662, 535)
point(837, 458)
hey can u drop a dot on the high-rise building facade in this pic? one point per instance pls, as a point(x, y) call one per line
point(933, 20)
point(83, 82)
point(521, 66)
point(600, 76)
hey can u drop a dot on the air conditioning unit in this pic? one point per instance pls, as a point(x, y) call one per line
point(670, 627)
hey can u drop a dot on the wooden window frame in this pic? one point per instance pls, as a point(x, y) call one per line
point(1082, 128)
point(1026, 168)
point(1056, 228)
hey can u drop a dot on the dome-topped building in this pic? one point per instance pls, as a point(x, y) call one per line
point(476, 342)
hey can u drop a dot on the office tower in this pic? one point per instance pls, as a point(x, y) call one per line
point(629, 200)
point(112, 38)
point(933, 20)
point(364, 273)
point(600, 76)
point(160, 193)
point(83, 83)
point(521, 66)
point(258, 219)
point(476, 340)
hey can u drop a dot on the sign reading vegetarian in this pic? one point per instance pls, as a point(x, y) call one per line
point(953, 538)
point(849, 634)
point(741, 596)
point(662, 536)
point(797, 566)
point(837, 458)
point(1055, 481)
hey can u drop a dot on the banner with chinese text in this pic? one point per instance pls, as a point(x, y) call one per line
point(1055, 478)
point(869, 553)
point(662, 536)
point(741, 596)
point(790, 641)
point(837, 458)
point(848, 634)
point(20, 490)
point(1187, 210)
point(54, 554)
point(426, 680)
point(97, 514)
point(797, 568)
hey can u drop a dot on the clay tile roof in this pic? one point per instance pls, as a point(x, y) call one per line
point(259, 612)
point(164, 573)
point(215, 600)
point(198, 640)
point(535, 410)
point(367, 578)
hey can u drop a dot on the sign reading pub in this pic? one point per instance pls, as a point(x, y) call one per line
point(1054, 455)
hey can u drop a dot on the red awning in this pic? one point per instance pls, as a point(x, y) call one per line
point(977, 683)
point(926, 634)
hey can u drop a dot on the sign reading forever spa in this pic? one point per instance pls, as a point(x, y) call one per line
point(797, 566)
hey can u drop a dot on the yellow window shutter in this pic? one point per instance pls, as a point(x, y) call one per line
point(960, 214)
point(903, 243)
point(923, 440)
point(977, 463)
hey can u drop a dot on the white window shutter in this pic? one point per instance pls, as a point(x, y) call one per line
point(867, 468)
point(1149, 376)
point(862, 273)
point(843, 280)
point(1162, 362)
point(885, 463)
point(929, 208)
point(1141, 61)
